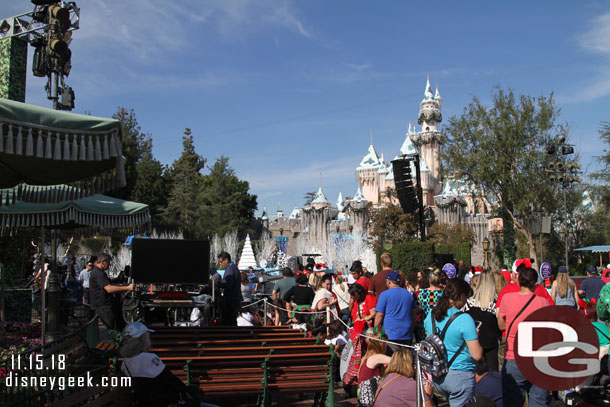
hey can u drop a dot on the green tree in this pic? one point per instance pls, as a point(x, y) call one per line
point(309, 197)
point(598, 221)
point(453, 235)
point(602, 190)
point(152, 186)
point(501, 150)
point(182, 206)
point(390, 226)
point(224, 201)
point(136, 145)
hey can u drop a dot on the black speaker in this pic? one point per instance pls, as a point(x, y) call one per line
point(405, 190)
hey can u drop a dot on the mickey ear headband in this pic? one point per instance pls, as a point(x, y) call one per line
point(379, 331)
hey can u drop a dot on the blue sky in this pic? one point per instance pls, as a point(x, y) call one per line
point(291, 89)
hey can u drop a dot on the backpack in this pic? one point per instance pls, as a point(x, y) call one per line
point(367, 390)
point(432, 353)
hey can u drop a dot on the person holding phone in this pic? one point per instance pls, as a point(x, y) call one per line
point(481, 306)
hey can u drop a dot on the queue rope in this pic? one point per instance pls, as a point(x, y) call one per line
point(254, 303)
point(296, 312)
point(416, 347)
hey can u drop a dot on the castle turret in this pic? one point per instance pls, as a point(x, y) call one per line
point(265, 217)
point(320, 200)
point(430, 110)
point(280, 211)
point(428, 141)
point(340, 202)
point(367, 174)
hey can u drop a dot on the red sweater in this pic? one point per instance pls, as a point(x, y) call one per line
point(514, 287)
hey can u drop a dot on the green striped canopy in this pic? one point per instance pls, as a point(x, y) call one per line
point(40, 146)
point(96, 210)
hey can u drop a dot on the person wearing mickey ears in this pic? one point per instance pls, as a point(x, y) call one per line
point(153, 383)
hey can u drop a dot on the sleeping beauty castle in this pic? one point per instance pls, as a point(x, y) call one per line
point(450, 200)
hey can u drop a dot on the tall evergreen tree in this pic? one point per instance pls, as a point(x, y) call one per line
point(152, 186)
point(182, 205)
point(136, 145)
point(225, 203)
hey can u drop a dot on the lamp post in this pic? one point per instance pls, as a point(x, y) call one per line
point(486, 252)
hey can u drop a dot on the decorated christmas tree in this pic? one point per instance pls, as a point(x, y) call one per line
point(247, 258)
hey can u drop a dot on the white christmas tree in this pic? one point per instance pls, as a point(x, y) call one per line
point(247, 258)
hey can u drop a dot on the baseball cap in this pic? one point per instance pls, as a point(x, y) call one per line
point(393, 276)
point(592, 270)
point(562, 269)
point(135, 329)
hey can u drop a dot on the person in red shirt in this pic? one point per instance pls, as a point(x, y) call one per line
point(378, 284)
point(357, 273)
point(506, 274)
point(513, 287)
point(516, 308)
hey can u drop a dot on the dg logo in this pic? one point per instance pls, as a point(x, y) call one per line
point(556, 348)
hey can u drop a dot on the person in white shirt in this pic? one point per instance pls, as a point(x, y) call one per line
point(83, 277)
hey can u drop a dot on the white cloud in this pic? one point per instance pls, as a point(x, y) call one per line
point(359, 67)
point(597, 39)
point(147, 28)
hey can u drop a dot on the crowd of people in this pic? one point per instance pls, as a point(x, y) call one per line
point(379, 318)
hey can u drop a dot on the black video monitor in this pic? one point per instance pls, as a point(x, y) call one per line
point(170, 261)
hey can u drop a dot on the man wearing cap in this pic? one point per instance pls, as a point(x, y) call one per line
point(396, 311)
point(153, 383)
point(592, 285)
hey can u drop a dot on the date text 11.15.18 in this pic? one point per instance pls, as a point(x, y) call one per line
point(36, 361)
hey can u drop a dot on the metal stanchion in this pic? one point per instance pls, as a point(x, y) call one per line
point(420, 387)
point(327, 315)
point(265, 310)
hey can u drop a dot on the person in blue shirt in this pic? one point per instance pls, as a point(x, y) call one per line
point(395, 311)
point(458, 385)
point(592, 285)
point(488, 383)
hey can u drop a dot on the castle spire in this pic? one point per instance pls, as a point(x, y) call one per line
point(428, 92)
point(371, 133)
point(437, 96)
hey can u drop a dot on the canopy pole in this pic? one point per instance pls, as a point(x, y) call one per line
point(54, 291)
point(43, 278)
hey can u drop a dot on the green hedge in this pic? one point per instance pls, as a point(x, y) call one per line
point(406, 256)
point(459, 252)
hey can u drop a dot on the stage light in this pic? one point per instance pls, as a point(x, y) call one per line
point(574, 167)
point(67, 98)
point(565, 150)
point(550, 150)
point(4, 27)
point(39, 63)
point(59, 17)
